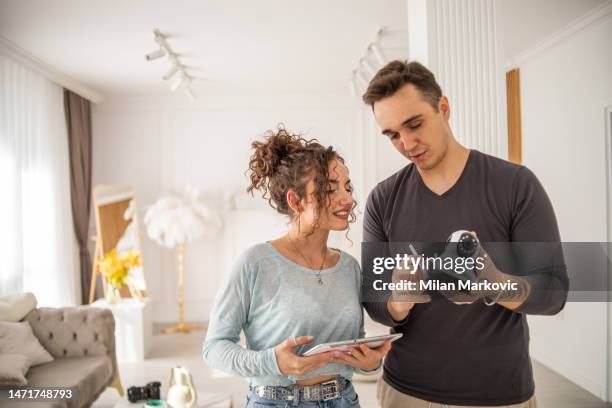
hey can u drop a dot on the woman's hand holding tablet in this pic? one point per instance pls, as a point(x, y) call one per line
point(291, 364)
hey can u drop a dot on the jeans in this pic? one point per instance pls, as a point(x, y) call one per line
point(348, 399)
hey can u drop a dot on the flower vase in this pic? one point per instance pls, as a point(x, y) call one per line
point(113, 295)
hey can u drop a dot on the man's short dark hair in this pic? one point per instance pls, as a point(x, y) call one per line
point(393, 76)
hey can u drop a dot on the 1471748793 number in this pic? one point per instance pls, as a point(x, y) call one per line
point(40, 393)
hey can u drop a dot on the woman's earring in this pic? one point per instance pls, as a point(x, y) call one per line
point(299, 222)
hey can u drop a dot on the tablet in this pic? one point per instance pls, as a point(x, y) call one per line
point(371, 342)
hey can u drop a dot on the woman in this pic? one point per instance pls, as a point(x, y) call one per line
point(294, 292)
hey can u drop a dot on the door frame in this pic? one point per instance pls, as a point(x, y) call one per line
point(608, 146)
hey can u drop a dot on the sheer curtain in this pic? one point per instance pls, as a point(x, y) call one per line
point(37, 244)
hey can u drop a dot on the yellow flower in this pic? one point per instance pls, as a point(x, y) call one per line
point(115, 269)
point(132, 259)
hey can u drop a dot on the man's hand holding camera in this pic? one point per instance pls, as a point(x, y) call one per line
point(489, 272)
point(483, 274)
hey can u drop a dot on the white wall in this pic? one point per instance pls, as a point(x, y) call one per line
point(160, 145)
point(565, 86)
point(459, 41)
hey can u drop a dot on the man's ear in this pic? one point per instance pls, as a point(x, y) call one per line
point(444, 107)
point(293, 200)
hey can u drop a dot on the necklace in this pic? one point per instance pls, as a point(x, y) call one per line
point(318, 271)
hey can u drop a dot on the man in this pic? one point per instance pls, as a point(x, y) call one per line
point(454, 353)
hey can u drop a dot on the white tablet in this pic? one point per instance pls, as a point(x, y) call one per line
point(371, 342)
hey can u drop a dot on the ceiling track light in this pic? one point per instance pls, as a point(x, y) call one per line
point(378, 53)
point(155, 54)
point(365, 70)
point(178, 82)
point(368, 67)
point(382, 30)
point(175, 68)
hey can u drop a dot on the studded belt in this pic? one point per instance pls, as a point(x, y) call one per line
point(326, 391)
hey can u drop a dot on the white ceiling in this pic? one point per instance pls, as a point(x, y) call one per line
point(526, 22)
point(235, 46)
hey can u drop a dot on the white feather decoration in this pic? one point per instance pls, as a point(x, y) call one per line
point(172, 220)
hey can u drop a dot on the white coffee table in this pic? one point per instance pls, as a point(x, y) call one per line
point(205, 400)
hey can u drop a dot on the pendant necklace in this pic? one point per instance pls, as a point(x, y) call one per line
point(318, 271)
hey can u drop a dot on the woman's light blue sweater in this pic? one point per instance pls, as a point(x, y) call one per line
point(272, 298)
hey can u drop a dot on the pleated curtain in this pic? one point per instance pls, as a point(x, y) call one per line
point(38, 251)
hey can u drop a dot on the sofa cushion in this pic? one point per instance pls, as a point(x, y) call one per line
point(74, 331)
point(13, 368)
point(86, 376)
point(18, 338)
point(14, 307)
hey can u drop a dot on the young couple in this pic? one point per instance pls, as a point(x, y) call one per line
point(293, 292)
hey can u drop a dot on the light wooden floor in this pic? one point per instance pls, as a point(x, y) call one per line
point(552, 390)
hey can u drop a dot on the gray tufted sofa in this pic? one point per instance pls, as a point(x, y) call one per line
point(82, 343)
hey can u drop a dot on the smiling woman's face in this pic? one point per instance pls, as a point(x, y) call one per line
point(415, 129)
point(339, 193)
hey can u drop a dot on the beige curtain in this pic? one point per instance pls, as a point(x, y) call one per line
point(78, 121)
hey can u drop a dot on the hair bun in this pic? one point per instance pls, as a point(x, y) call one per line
point(269, 154)
point(278, 146)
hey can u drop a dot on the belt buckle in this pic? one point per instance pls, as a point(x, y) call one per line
point(329, 395)
point(306, 393)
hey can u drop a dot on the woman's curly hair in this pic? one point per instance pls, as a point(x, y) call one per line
point(284, 161)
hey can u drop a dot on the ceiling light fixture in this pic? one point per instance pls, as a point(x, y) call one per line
point(178, 82)
point(365, 70)
point(368, 67)
point(175, 68)
point(155, 54)
point(378, 53)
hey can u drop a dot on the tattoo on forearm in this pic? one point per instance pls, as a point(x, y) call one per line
point(520, 294)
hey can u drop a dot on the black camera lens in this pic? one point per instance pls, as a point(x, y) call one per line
point(136, 394)
point(151, 391)
point(467, 245)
